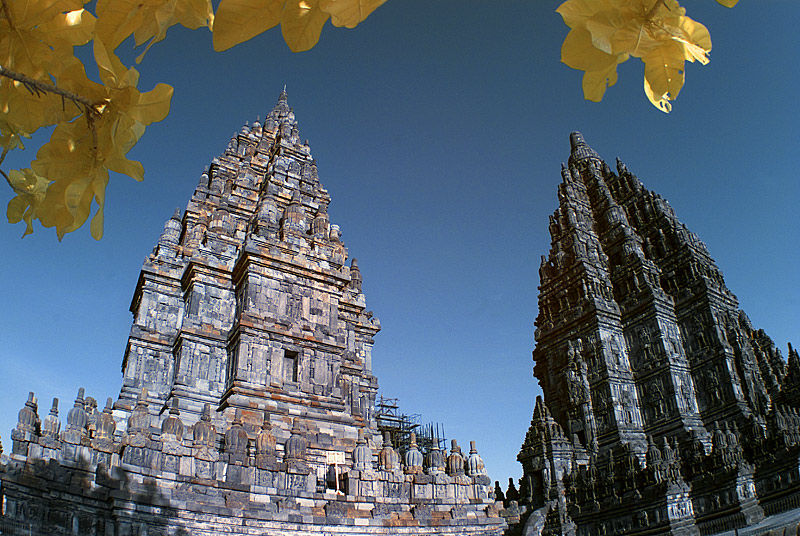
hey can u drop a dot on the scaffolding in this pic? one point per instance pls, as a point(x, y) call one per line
point(399, 425)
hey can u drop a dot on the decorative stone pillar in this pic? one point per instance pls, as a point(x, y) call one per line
point(435, 460)
point(236, 442)
point(295, 450)
point(76, 421)
point(28, 425)
point(265, 446)
point(204, 448)
point(455, 462)
point(413, 457)
point(362, 454)
point(388, 459)
point(51, 427)
point(172, 449)
point(106, 426)
point(475, 466)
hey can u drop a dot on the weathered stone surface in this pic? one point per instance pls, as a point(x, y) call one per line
point(248, 394)
point(664, 410)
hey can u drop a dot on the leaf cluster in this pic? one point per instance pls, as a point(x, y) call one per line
point(43, 83)
point(605, 33)
point(96, 124)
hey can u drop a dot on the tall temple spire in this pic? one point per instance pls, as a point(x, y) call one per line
point(639, 343)
point(249, 325)
point(580, 150)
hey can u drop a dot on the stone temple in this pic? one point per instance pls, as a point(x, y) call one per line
point(247, 404)
point(664, 410)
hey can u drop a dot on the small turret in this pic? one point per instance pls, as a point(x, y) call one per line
point(236, 442)
point(294, 217)
point(295, 447)
point(76, 421)
point(434, 461)
point(106, 426)
point(138, 432)
point(321, 224)
point(475, 465)
point(388, 459)
point(171, 235)
point(355, 276)
point(455, 462)
point(51, 426)
point(28, 418)
point(204, 434)
point(362, 454)
point(172, 428)
point(413, 457)
point(265, 445)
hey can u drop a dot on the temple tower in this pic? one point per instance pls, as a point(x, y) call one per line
point(247, 404)
point(247, 301)
point(641, 350)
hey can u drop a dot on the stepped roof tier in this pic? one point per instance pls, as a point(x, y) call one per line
point(247, 403)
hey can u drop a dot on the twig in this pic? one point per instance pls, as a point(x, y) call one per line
point(37, 86)
point(7, 13)
point(655, 7)
point(3, 157)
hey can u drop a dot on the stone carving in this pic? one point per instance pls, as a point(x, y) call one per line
point(362, 454)
point(76, 421)
point(455, 461)
point(51, 425)
point(265, 446)
point(204, 437)
point(248, 387)
point(610, 371)
point(388, 458)
point(413, 457)
point(434, 462)
point(236, 442)
point(475, 466)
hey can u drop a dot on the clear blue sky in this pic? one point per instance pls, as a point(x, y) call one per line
point(439, 129)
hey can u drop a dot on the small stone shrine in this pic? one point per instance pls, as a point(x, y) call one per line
point(664, 411)
point(247, 400)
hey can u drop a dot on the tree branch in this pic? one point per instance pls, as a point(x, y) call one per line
point(37, 86)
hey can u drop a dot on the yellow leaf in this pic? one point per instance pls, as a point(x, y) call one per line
point(236, 21)
point(663, 70)
point(148, 20)
point(30, 189)
point(349, 13)
point(301, 24)
point(659, 101)
point(164, 14)
point(579, 53)
point(576, 12)
point(30, 13)
point(99, 188)
point(75, 27)
point(696, 40)
point(117, 20)
point(728, 3)
point(595, 82)
point(10, 135)
point(112, 72)
point(28, 112)
point(153, 106)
